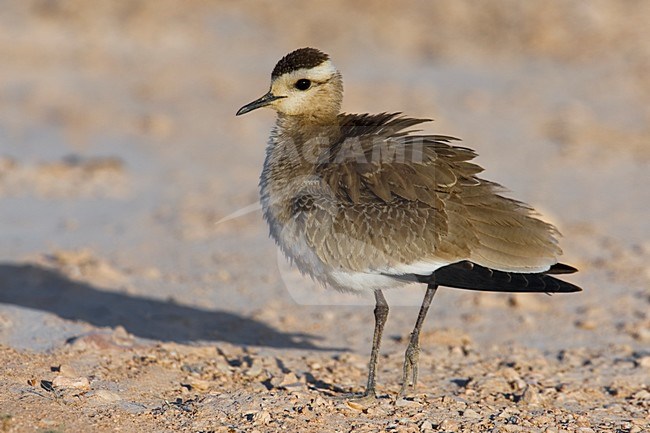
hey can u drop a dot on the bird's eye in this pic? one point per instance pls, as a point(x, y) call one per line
point(302, 84)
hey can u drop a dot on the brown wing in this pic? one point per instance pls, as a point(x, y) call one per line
point(383, 187)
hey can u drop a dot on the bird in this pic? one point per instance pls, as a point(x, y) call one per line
point(365, 203)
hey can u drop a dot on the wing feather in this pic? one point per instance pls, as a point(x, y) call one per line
point(422, 193)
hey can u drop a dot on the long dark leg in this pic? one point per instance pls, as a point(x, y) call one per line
point(412, 354)
point(381, 313)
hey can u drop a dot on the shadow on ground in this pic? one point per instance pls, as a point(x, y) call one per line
point(47, 290)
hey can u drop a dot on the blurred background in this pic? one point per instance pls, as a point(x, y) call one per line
point(120, 152)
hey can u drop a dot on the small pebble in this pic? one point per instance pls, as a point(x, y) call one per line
point(586, 324)
point(404, 402)
point(530, 396)
point(448, 425)
point(199, 384)
point(471, 414)
point(289, 380)
point(426, 426)
point(66, 370)
point(81, 383)
point(255, 369)
point(105, 395)
point(262, 417)
point(356, 406)
point(644, 362)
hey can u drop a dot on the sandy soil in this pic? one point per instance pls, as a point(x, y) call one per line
point(131, 300)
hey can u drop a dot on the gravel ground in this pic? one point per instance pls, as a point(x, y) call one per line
point(139, 291)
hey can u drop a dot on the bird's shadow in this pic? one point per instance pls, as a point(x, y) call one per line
point(44, 289)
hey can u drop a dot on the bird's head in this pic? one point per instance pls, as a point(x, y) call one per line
point(303, 83)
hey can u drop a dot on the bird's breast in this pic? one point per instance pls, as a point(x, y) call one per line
point(281, 186)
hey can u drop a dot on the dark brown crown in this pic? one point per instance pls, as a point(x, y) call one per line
point(303, 58)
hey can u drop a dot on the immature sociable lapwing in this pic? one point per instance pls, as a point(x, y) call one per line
point(361, 202)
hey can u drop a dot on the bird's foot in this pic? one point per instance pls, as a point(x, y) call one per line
point(365, 399)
